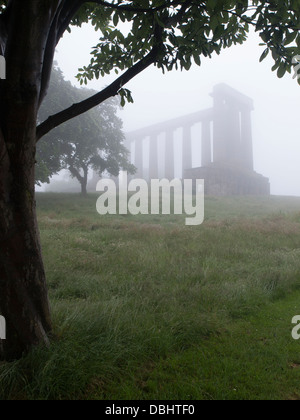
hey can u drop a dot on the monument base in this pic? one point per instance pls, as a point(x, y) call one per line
point(223, 180)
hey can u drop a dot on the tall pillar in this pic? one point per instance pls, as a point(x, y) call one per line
point(187, 149)
point(205, 143)
point(138, 161)
point(153, 157)
point(232, 137)
point(246, 139)
point(169, 156)
point(219, 120)
point(128, 143)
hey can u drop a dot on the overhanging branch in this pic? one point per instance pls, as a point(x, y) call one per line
point(66, 9)
point(128, 8)
point(69, 10)
point(84, 106)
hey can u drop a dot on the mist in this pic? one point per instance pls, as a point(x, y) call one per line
point(159, 97)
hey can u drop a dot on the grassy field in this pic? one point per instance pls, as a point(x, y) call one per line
point(147, 308)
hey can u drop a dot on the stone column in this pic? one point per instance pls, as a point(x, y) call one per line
point(128, 143)
point(219, 120)
point(169, 156)
point(138, 161)
point(153, 157)
point(186, 149)
point(205, 143)
point(233, 135)
point(246, 139)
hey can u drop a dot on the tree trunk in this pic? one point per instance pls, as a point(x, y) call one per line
point(83, 189)
point(84, 181)
point(23, 293)
point(23, 298)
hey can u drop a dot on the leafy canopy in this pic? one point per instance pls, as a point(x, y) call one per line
point(134, 34)
point(183, 31)
point(91, 141)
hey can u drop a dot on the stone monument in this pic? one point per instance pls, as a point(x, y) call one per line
point(226, 147)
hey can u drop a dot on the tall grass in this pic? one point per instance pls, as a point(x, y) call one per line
point(129, 291)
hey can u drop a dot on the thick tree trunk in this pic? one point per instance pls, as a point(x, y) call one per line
point(23, 293)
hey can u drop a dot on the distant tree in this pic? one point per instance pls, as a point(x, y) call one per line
point(92, 141)
point(166, 33)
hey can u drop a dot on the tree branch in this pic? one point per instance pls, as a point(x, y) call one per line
point(65, 12)
point(127, 8)
point(49, 56)
point(75, 173)
point(69, 10)
point(4, 19)
point(113, 89)
point(84, 106)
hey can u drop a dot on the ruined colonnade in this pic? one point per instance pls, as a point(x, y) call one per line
point(226, 137)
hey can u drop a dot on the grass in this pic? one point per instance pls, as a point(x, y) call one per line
point(147, 308)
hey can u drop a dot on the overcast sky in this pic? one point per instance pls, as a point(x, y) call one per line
point(160, 97)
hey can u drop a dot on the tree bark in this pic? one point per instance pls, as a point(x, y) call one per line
point(84, 189)
point(84, 181)
point(23, 294)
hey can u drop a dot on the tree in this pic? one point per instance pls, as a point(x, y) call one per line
point(167, 33)
point(93, 140)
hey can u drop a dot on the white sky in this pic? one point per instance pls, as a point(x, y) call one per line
point(160, 97)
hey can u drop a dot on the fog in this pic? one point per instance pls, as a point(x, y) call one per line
point(159, 97)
